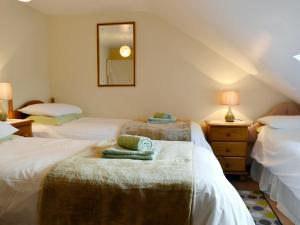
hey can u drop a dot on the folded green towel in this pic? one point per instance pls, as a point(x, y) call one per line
point(161, 121)
point(116, 150)
point(135, 143)
point(116, 153)
point(136, 157)
point(161, 115)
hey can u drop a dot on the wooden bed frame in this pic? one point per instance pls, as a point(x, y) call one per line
point(18, 115)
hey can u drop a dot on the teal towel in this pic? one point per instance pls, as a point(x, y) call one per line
point(135, 143)
point(161, 115)
point(121, 151)
point(161, 121)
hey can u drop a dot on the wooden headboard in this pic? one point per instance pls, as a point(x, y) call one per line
point(19, 115)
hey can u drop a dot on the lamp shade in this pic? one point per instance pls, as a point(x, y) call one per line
point(230, 98)
point(6, 91)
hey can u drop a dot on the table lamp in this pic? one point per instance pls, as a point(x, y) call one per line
point(5, 96)
point(230, 98)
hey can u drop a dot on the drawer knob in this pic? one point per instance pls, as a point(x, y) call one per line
point(227, 165)
point(227, 150)
point(228, 134)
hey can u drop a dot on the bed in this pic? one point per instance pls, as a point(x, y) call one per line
point(95, 128)
point(24, 162)
point(276, 160)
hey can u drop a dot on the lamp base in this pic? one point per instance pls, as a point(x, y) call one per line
point(3, 116)
point(229, 117)
point(3, 110)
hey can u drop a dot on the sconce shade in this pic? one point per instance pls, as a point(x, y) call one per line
point(6, 91)
point(230, 98)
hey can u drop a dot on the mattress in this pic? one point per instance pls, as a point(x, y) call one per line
point(277, 169)
point(96, 128)
point(25, 161)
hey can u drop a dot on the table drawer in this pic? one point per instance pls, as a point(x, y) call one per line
point(24, 131)
point(228, 134)
point(229, 148)
point(233, 164)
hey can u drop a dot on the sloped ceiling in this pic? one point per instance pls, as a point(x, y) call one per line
point(259, 37)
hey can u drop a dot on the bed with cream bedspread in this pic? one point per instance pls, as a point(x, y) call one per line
point(97, 128)
point(25, 161)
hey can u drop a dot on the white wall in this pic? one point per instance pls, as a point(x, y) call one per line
point(24, 51)
point(258, 36)
point(174, 72)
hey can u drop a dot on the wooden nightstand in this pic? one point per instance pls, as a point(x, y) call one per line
point(24, 126)
point(229, 141)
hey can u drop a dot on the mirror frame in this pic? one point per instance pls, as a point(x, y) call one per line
point(98, 55)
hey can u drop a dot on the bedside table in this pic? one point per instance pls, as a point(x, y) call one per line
point(24, 126)
point(229, 141)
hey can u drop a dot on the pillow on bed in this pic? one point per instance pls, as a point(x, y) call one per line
point(51, 109)
point(6, 130)
point(281, 122)
point(54, 121)
point(7, 138)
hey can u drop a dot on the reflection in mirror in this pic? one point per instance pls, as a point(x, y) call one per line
point(116, 54)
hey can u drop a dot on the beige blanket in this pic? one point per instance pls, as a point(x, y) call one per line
point(179, 131)
point(88, 190)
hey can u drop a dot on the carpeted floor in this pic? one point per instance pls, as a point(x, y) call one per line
point(259, 208)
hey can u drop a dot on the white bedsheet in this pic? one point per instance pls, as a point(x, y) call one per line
point(278, 150)
point(24, 162)
point(96, 128)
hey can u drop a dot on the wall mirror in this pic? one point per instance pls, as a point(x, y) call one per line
point(116, 54)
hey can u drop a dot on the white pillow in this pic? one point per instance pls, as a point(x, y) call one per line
point(6, 129)
point(281, 122)
point(50, 109)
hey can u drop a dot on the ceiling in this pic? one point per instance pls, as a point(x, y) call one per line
point(259, 37)
point(87, 6)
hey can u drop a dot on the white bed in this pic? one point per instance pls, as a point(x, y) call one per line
point(96, 128)
point(277, 168)
point(25, 161)
point(85, 128)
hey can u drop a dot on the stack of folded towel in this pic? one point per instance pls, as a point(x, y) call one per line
point(162, 118)
point(132, 147)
